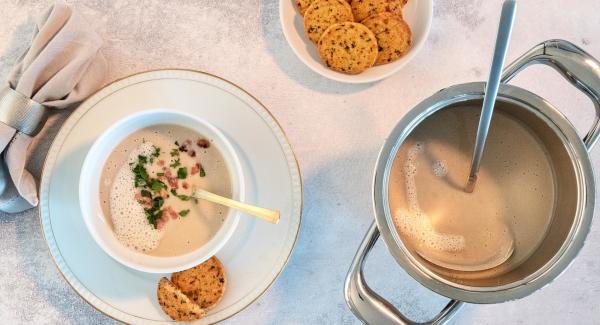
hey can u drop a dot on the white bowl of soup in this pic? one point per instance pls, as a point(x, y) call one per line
point(136, 186)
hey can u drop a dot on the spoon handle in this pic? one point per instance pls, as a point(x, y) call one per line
point(266, 214)
point(491, 89)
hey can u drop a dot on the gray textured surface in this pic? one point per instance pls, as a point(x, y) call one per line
point(336, 130)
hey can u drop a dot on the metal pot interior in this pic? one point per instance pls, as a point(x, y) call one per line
point(566, 210)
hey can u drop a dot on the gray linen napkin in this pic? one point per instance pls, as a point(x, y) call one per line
point(62, 67)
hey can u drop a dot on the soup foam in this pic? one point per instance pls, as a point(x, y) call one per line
point(128, 217)
point(416, 223)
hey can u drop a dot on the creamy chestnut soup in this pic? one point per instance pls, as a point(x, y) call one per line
point(512, 203)
point(146, 189)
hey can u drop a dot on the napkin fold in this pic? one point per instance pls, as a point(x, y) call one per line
point(62, 67)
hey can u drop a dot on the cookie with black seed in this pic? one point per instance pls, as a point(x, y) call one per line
point(348, 47)
point(304, 4)
point(204, 284)
point(393, 36)
point(362, 9)
point(176, 304)
point(323, 13)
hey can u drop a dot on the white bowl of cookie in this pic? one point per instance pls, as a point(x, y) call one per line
point(356, 41)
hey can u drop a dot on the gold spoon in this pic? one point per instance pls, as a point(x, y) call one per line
point(269, 215)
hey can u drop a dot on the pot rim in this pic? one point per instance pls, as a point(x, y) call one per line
point(552, 268)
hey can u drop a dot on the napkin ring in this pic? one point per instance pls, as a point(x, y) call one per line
point(20, 112)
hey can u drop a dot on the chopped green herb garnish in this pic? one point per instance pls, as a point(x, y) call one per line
point(176, 163)
point(142, 159)
point(141, 175)
point(180, 196)
point(146, 193)
point(153, 215)
point(160, 174)
point(157, 185)
point(182, 173)
point(184, 213)
point(158, 202)
point(156, 152)
point(174, 152)
point(177, 143)
point(202, 172)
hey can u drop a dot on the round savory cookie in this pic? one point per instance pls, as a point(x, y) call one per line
point(323, 13)
point(393, 36)
point(365, 8)
point(348, 47)
point(176, 304)
point(304, 4)
point(204, 283)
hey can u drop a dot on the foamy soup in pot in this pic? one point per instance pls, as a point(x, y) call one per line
point(146, 189)
point(511, 206)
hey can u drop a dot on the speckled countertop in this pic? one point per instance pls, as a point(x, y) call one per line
point(336, 130)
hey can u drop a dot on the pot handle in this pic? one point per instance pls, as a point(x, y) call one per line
point(573, 63)
point(370, 307)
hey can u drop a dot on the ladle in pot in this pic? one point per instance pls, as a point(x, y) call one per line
point(491, 91)
point(491, 88)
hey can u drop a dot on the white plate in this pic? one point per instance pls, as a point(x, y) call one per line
point(257, 252)
point(417, 13)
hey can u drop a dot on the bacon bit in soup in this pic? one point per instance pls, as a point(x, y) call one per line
point(203, 143)
point(195, 169)
point(171, 213)
point(183, 148)
point(185, 185)
point(173, 182)
point(192, 153)
point(144, 201)
point(171, 179)
point(160, 224)
point(164, 194)
point(161, 162)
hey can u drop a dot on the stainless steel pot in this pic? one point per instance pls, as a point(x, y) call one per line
point(574, 179)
